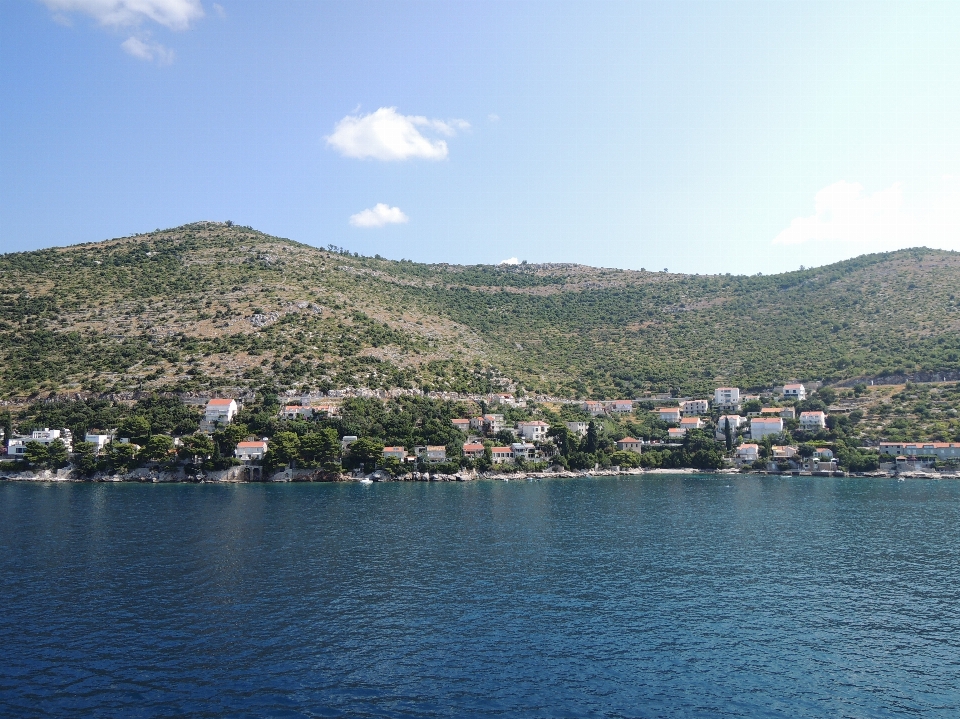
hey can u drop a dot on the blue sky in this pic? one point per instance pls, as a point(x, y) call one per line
point(701, 137)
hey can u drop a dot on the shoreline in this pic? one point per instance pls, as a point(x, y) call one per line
point(239, 475)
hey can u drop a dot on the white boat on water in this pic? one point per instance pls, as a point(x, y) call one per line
point(366, 480)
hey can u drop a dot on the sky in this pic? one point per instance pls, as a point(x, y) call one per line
point(698, 137)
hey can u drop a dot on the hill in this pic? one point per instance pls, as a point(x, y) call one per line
point(211, 306)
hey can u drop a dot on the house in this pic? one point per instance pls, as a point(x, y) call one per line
point(578, 428)
point(472, 450)
point(670, 415)
point(250, 451)
point(676, 433)
point(688, 423)
point(812, 421)
point(523, 450)
point(735, 420)
point(594, 408)
point(727, 398)
point(817, 464)
point(435, 453)
point(347, 441)
point(533, 431)
point(395, 452)
point(795, 391)
point(219, 411)
point(491, 423)
point(695, 407)
point(462, 424)
point(823, 453)
point(760, 427)
point(501, 455)
point(504, 398)
point(784, 451)
point(329, 410)
point(99, 440)
point(17, 446)
point(940, 450)
point(629, 444)
point(748, 453)
point(785, 412)
point(620, 405)
point(296, 411)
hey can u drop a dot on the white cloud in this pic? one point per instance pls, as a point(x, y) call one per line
point(388, 135)
point(511, 261)
point(493, 117)
point(147, 50)
point(882, 221)
point(378, 216)
point(219, 9)
point(174, 14)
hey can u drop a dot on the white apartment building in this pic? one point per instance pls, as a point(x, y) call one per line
point(794, 391)
point(533, 431)
point(220, 410)
point(249, 451)
point(812, 421)
point(99, 440)
point(940, 450)
point(691, 423)
point(695, 407)
point(748, 452)
point(578, 428)
point(523, 450)
point(726, 397)
point(670, 415)
point(735, 421)
point(17, 446)
point(760, 427)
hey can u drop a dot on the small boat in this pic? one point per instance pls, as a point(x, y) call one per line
point(366, 480)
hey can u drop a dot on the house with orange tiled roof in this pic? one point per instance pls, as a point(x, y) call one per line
point(676, 433)
point(670, 415)
point(472, 450)
point(218, 412)
point(813, 421)
point(250, 451)
point(296, 411)
point(688, 423)
point(501, 455)
point(629, 444)
point(395, 452)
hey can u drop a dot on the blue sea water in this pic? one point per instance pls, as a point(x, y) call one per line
point(616, 597)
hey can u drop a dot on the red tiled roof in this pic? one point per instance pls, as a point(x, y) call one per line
point(219, 402)
point(474, 447)
point(252, 445)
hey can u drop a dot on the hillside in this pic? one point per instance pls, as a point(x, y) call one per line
point(210, 306)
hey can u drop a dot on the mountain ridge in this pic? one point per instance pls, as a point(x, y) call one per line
point(209, 305)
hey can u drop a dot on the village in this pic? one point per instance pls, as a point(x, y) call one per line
point(781, 431)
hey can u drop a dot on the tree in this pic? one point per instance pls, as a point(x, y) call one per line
point(135, 428)
point(7, 422)
point(195, 446)
point(85, 457)
point(36, 454)
point(392, 465)
point(728, 434)
point(592, 440)
point(158, 447)
point(562, 438)
point(625, 459)
point(321, 448)
point(122, 456)
point(227, 437)
point(365, 453)
point(283, 450)
point(57, 455)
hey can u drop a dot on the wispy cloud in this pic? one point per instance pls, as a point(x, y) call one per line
point(147, 50)
point(493, 117)
point(174, 14)
point(881, 221)
point(219, 9)
point(511, 261)
point(387, 135)
point(378, 216)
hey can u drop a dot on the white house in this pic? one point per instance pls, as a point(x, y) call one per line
point(735, 421)
point(435, 453)
point(220, 410)
point(629, 444)
point(492, 423)
point(249, 451)
point(794, 391)
point(695, 407)
point(812, 421)
point(17, 446)
point(523, 450)
point(395, 452)
point(670, 415)
point(533, 431)
point(784, 451)
point(940, 450)
point(748, 452)
point(296, 411)
point(462, 424)
point(760, 427)
point(726, 397)
point(501, 455)
point(578, 428)
point(99, 440)
point(620, 405)
point(676, 433)
point(688, 423)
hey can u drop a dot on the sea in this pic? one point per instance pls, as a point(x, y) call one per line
point(655, 596)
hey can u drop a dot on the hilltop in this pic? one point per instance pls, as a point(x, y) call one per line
point(210, 306)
